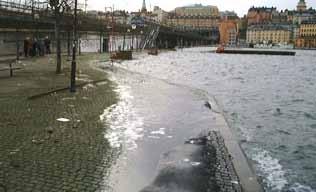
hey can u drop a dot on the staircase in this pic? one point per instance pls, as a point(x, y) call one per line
point(150, 38)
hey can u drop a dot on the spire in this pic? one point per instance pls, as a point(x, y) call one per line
point(144, 6)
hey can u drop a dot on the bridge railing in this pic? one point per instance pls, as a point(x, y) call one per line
point(23, 6)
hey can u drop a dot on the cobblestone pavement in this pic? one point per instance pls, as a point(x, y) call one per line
point(39, 153)
point(225, 175)
point(207, 167)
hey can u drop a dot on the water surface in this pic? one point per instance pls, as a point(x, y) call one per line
point(268, 100)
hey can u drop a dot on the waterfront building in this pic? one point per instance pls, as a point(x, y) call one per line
point(197, 10)
point(228, 15)
point(242, 28)
point(301, 14)
point(228, 30)
point(301, 6)
point(297, 17)
point(193, 22)
point(307, 36)
point(260, 15)
point(195, 17)
point(269, 34)
point(280, 17)
point(160, 15)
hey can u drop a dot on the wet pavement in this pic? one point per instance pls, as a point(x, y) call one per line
point(150, 128)
point(134, 133)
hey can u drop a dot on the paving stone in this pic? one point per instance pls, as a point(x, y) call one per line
point(45, 159)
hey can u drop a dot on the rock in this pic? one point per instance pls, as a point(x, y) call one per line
point(50, 130)
point(37, 142)
point(208, 104)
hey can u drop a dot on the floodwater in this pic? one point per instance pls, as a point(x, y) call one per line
point(269, 101)
point(151, 119)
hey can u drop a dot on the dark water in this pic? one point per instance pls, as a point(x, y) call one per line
point(270, 101)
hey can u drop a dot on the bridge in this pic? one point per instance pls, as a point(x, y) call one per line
point(37, 18)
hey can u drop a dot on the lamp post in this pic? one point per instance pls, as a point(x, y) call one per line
point(74, 49)
point(111, 27)
point(141, 37)
point(128, 33)
point(133, 28)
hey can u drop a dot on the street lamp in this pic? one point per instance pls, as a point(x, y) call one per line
point(74, 49)
point(111, 27)
point(133, 28)
point(128, 32)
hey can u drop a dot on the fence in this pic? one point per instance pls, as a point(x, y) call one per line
point(24, 6)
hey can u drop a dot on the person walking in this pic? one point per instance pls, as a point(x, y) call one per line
point(26, 47)
point(47, 45)
point(34, 48)
point(41, 47)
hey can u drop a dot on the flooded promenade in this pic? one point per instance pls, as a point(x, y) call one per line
point(268, 101)
point(170, 122)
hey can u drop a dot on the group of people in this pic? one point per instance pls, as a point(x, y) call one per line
point(34, 47)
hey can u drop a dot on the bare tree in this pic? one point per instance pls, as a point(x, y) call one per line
point(59, 7)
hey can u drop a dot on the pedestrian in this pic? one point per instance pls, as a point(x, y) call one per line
point(41, 47)
point(34, 47)
point(47, 45)
point(26, 46)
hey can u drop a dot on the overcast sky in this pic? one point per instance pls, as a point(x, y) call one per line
point(239, 6)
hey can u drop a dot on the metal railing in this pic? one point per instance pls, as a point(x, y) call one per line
point(24, 6)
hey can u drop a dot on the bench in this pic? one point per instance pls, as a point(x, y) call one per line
point(8, 66)
point(122, 55)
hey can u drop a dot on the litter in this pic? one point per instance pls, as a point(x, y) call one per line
point(63, 120)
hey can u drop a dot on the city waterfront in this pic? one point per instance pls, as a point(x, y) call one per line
point(268, 101)
point(109, 96)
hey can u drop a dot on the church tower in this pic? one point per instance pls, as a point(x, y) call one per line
point(144, 10)
point(301, 6)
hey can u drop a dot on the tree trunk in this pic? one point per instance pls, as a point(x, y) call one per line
point(58, 44)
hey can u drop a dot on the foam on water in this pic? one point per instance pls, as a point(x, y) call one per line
point(125, 125)
point(161, 131)
point(271, 170)
point(300, 188)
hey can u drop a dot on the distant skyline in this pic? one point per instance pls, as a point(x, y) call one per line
point(239, 6)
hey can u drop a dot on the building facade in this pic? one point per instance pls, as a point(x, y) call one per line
point(301, 6)
point(269, 34)
point(228, 30)
point(197, 18)
point(193, 22)
point(197, 10)
point(160, 16)
point(307, 36)
point(260, 15)
point(228, 15)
